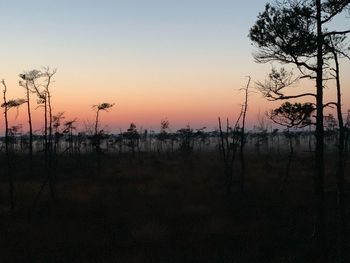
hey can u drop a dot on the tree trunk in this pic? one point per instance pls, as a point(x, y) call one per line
point(289, 163)
point(30, 132)
point(340, 168)
point(241, 150)
point(7, 150)
point(319, 150)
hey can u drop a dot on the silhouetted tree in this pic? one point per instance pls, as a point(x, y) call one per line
point(201, 137)
point(229, 141)
point(57, 134)
point(290, 115)
point(260, 132)
point(41, 86)
point(163, 134)
point(69, 127)
point(97, 132)
point(132, 137)
point(48, 74)
point(6, 105)
point(27, 82)
point(243, 134)
point(338, 50)
point(186, 141)
point(293, 32)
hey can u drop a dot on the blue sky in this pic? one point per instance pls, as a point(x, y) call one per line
point(175, 59)
point(101, 26)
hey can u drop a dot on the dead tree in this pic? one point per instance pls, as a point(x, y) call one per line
point(243, 135)
point(162, 136)
point(7, 105)
point(47, 74)
point(132, 139)
point(42, 90)
point(27, 80)
point(98, 132)
point(229, 140)
point(39, 83)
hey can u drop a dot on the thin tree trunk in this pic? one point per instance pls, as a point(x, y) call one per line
point(225, 154)
point(30, 131)
point(289, 162)
point(340, 168)
point(50, 119)
point(51, 168)
point(45, 127)
point(8, 161)
point(97, 142)
point(241, 151)
point(319, 233)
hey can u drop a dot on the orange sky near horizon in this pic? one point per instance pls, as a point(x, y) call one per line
point(184, 61)
point(197, 101)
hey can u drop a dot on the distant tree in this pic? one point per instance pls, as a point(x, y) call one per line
point(105, 106)
point(48, 74)
point(39, 82)
point(132, 138)
point(41, 86)
point(330, 122)
point(243, 134)
point(56, 123)
point(27, 82)
point(261, 132)
point(7, 105)
point(69, 127)
point(201, 137)
point(163, 134)
point(186, 141)
point(144, 139)
point(229, 142)
point(290, 115)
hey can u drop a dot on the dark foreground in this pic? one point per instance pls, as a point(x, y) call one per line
point(165, 209)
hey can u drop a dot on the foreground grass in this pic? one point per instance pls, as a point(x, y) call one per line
point(165, 209)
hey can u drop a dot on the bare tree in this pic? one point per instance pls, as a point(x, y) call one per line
point(132, 138)
point(47, 74)
point(97, 132)
point(7, 105)
point(56, 123)
point(243, 135)
point(228, 146)
point(337, 49)
point(162, 135)
point(27, 80)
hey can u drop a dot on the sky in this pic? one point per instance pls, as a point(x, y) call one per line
point(181, 60)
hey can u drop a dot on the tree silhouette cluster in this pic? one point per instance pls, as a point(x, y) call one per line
point(295, 33)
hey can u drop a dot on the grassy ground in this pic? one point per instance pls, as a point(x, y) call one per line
point(165, 209)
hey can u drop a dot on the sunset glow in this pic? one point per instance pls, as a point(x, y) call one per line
point(184, 61)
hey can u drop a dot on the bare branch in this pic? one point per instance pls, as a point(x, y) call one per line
point(333, 33)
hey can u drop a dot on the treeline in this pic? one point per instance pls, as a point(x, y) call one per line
point(69, 140)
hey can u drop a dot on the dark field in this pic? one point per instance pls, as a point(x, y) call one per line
point(166, 209)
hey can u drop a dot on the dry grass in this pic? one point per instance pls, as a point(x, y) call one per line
point(164, 210)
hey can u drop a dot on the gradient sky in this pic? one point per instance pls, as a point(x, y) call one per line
point(183, 60)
